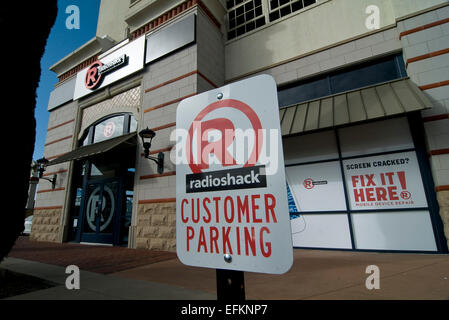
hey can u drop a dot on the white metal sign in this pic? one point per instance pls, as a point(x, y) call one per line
point(122, 62)
point(232, 208)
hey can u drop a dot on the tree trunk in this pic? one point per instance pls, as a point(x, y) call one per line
point(25, 28)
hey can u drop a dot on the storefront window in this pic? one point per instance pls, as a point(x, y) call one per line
point(359, 76)
point(109, 128)
point(360, 188)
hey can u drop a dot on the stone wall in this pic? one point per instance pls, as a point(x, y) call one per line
point(46, 224)
point(156, 226)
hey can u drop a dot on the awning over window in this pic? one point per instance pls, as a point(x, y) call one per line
point(97, 148)
point(376, 102)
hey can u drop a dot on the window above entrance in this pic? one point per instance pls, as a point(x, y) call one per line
point(108, 128)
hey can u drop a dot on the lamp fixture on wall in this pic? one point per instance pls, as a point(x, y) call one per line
point(41, 166)
point(147, 136)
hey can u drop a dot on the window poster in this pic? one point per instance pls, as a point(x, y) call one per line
point(391, 181)
point(317, 187)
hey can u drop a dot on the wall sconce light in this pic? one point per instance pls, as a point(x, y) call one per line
point(147, 136)
point(41, 166)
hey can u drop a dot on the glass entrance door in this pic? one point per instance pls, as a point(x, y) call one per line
point(102, 206)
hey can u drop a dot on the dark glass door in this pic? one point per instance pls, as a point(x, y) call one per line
point(101, 207)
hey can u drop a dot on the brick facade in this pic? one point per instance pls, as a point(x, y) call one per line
point(425, 41)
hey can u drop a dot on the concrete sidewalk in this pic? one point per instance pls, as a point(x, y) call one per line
point(315, 275)
point(322, 275)
point(95, 286)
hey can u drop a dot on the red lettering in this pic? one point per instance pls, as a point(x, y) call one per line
point(370, 194)
point(354, 181)
point(197, 218)
point(401, 176)
point(217, 199)
point(390, 177)
point(392, 194)
point(250, 241)
point(370, 178)
point(226, 242)
point(381, 194)
point(255, 207)
point(190, 235)
point(382, 179)
point(243, 209)
point(269, 207)
point(267, 253)
point(359, 195)
point(227, 218)
point(202, 241)
point(184, 219)
point(207, 220)
point(213, 239)
point(238, 241)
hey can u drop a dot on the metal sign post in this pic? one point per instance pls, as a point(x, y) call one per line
point(230, 285)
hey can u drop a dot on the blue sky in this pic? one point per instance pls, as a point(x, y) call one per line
point(60, 43)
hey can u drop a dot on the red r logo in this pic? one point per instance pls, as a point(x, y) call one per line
point(406, 195)
point(308, 184)
point(227, 130)
point(93, 77)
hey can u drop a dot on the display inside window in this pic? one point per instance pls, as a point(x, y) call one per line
point(112, 127)
point(390, 181)
point(317, 187)
point(109, 129)
point(378, 202)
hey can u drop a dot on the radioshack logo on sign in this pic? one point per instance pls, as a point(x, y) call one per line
point(98, 70)
point(213, 142)
point(232, 209)
point(310, 184)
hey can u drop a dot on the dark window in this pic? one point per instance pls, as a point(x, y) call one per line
point(317, 87)
point(243, 16)
point(297, 6)
point(247, 15)
point(285, 11)
point(359, 76)
point(250, 26)
point(274, 15)
point(364, 75)
point(282, 8)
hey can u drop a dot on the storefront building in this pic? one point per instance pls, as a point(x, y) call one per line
point(364, 115)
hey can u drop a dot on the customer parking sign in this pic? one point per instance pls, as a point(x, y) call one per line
point(232, 206)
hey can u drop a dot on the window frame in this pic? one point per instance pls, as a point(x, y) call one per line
point(89, 133)
point(266, 15)
point(416, 129)
point(399, 68)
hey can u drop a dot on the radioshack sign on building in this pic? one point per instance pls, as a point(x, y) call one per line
point(232, 210)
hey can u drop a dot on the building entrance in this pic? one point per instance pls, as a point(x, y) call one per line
point(103, 201)
point(101, 208)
